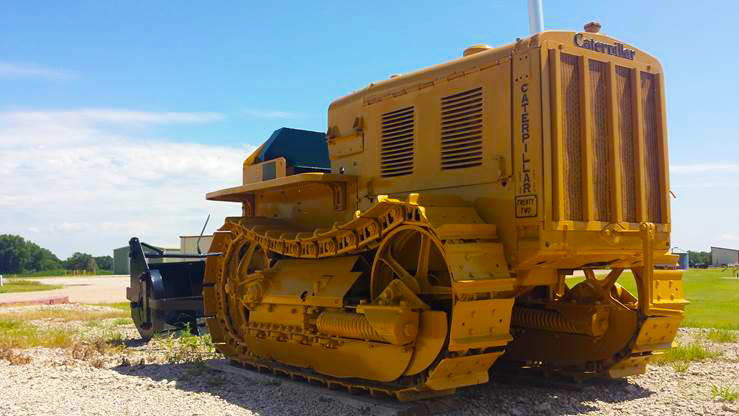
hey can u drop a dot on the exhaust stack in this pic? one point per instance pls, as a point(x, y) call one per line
point(536, 17)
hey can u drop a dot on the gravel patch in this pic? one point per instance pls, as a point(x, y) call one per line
point(660, 391)
point(136, 378)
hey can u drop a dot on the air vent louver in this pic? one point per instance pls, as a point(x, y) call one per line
point(396, 153)
point(461, 130)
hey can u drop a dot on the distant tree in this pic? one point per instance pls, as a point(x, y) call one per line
point(91, 267)
point(20, 255)
point(104, 262)
point(41, 258)
point(698, 257)
point(14, 254)
point(78, 261)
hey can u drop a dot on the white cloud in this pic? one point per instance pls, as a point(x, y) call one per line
point(71, 184)
point(21, 70)
point(729, 237)
point(95, 115)
point(706, 168)
point(273, 114)
point(43, 128)
point(706, 184)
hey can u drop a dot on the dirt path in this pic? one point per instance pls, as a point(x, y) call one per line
point(87, 289)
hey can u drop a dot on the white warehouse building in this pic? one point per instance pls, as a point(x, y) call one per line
point(724, 256)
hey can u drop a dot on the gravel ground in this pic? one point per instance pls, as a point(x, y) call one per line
point(132, 378)
point(660, 391)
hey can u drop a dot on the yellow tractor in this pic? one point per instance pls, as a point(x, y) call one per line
point(432, 230)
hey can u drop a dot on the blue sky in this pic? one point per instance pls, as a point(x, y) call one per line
point(116, 117)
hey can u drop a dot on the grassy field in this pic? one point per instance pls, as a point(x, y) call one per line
point(123, 306)
point(58, 273)
point(714, 302)
point(64, 315)
point(17, 285)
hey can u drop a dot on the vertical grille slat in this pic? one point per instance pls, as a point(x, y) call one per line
point(461, 130)
point(571, 137)
point(599, 130)
point(397, 143)
point(652, 146)
point(620, 110)
point(624, 98)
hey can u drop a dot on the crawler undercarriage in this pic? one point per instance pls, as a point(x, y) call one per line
point(397, 302)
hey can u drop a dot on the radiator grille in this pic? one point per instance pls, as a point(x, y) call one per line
point(461, 130)
point(624, 98)
point(396, 147)
point(652, 148)
point(572, 137)
point(600, 159)
point(641, 193)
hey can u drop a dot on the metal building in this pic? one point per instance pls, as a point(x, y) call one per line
point(120, 258)
point(724, 256)
point(189, 243)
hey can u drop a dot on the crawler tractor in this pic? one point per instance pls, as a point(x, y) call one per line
point(432, 230)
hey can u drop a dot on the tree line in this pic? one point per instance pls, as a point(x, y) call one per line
point(699, 258)
point(18, 255)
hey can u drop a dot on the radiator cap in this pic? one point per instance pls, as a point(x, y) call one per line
point(592, 27)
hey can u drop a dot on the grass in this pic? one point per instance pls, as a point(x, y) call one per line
point(187, 348)
point(681, 356)
point(18, 285)
point(726, 394)
point(19, 334)
point(123, 306)
point(58, 273)
point(721, 335)
point(714, 302)
point(123, 321)
point(65, 315)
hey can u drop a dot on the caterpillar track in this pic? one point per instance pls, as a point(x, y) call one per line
point(396, 320)
point(337, 307)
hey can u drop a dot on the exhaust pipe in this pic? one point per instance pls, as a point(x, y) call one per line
point(536, 17)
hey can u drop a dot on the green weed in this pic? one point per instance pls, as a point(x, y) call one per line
point(188, 348)
point(681, 356)
point(680, 366)
point(65, 315)
point(122, 321)
point(721, 335)
point(20, 334)
point(726, 394)
point(122, 306)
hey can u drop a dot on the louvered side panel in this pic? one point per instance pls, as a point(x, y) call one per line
point(624, 98)
point(397, 143)
point(652, 148)
point(571, 138)
point(601, 143)
point(461, 130)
